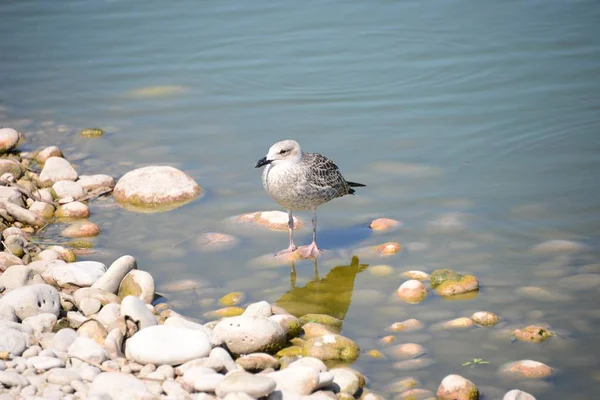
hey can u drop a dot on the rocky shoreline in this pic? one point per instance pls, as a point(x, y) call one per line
point(81, 329)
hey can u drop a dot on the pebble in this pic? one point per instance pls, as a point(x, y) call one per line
point(12, 341)
point(40, 323)
point(247, 334)
point(257, 361)
point(44, 363)
point(133, 308)
point(109, 314)
point(202, 379)
point(81, 229)
point(170, 345)
point(17, 276)
point(516, 394)
point(57, 169)
point(346, 380)
point(68, 189)
point(74, 209)
point(117, 386)
point(97, 181)
point(485, 318)
point(300, 379)
point(63, 339)
point(9, 138)
point(455, 387)
point(412, 291)
point(384, 224)
point(89, 306)
point(45, 154)
point(79, 273)
point(63, 376)
point(113, 276)
point(11, 378)
point(86, 349)
point(256, 386)
point(32, 300)
point(137, 283)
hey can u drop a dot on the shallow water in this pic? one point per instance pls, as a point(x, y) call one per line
point(482, 116)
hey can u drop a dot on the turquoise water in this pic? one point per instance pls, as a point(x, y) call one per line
point(487, 113)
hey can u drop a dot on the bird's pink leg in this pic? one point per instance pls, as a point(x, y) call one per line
point(312, 250)
point(292, 247)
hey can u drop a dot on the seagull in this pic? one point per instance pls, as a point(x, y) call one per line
point(301, 181)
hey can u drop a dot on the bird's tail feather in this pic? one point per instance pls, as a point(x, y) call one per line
point(354, 184)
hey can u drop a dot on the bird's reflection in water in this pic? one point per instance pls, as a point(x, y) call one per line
point(330, 295)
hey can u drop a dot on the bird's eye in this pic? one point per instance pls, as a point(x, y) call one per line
point(283, 151)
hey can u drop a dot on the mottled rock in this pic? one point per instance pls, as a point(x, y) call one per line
point(12, 195)
point(408, 325)
point(388, 248)
point(447, 282)
point(42, 209)
point(231, 299)
point(257, 362)
point(111, 280)
point(94, 330)
point(10, 167)
point(485, 318)
point(170, 345)
point(533, 333)
point(331, 347)
point(245, 334)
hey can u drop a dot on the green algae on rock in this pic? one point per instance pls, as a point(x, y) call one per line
point(331, 347)
point(533, 334)
point(323, 319)
point(231, 299)
point(91, 132)
point(447, 282)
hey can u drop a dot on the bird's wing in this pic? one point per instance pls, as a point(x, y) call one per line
point(325, 174)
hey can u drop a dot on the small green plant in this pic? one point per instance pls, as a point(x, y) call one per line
point(474, 362)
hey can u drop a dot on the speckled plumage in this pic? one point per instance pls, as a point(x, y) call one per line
point(302, 186)
point(301, 181)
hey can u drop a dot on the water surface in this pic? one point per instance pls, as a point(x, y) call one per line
point(486, 114)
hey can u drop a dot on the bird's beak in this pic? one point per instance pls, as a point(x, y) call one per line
point(262, 161)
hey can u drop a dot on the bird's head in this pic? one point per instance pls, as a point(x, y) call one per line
point(286, 151)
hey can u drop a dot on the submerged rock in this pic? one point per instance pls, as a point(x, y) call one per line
point(384, 224)
point(533, 333)
point(275, 220)
point(412, 291)
point(526, 369)
point(485, 318)
point(155, 188)
point(447, 282)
